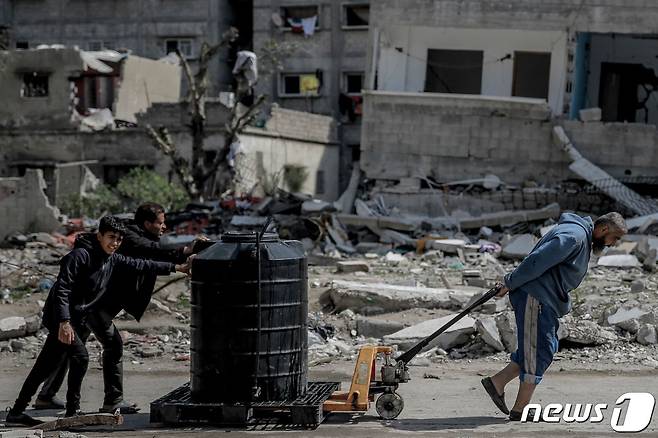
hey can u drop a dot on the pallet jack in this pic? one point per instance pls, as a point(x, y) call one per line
point(393, 372)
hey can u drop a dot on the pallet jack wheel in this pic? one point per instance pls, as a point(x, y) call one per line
point(389, 405)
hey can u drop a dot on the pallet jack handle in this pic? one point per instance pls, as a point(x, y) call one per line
point(413, 351)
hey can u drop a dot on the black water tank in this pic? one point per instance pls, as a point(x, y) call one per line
point(225, 352)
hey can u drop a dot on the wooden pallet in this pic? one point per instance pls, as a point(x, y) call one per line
point(177, 407)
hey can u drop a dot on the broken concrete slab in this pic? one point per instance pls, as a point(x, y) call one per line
point(647, 335)
point(376, 221)
point(451, 246)
point(24, 207)
point(587, 333)
point(349, 266)
point(622, 248)
point(376, 328)
point(519, 247)
point(380, 297)
point(22, 433)
point(627, 319)
point(395, 259)
point(639, 221)
point(458, 334)
point(619, 261)
point(601, 179)
point(316, 206)
point(488, 330)
point(12, 327)
point(494, 305)
point(507, 218)
point(506, 324)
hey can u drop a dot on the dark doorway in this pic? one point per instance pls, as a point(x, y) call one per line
point(454, 71)
point(532, 72)
point(619, 91)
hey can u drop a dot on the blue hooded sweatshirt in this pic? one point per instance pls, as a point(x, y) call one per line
point(556, 265)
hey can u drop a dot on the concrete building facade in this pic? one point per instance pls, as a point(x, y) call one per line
point(458, 89)
point(332, 56)
point(148, 28)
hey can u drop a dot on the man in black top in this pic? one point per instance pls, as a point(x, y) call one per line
point(127, 290)
point(81, 285)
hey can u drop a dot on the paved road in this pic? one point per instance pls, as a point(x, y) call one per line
point(453, 405)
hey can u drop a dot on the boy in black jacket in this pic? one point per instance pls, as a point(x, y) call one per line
point(80, 286)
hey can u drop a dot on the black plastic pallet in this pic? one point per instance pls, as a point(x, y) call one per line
point(177, 407)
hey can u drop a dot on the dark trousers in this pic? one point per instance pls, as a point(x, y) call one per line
point(107, 334)
point(53, 352)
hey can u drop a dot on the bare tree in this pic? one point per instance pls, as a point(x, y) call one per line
point(199, 177)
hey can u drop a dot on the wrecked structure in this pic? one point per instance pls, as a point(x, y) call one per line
point(462, 91)
point(325, 71)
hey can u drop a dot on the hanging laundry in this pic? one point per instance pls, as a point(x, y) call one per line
point(247, 66)
point(296, 25)
point(308, 24)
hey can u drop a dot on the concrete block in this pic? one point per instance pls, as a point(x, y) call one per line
point(376, 328)
point(12, 327)
point(519, 247)
point(458, 334)
point(347, 267)
point(22, 433)
point(627, 319)
point(619, 261)
point(647, 335)
point(506, 324)
point(590, 115)
point(364, 297)
point(488, 330)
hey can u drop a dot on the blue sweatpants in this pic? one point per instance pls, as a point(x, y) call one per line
point(536, 331)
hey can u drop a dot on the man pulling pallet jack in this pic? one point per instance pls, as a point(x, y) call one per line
point(539, 288)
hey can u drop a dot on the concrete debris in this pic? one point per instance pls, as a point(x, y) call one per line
point(519, 247)
point(24, 207)
point(376, 328)
point(587, 332)
point(488, 330)
point(627, 319)
point(395, 259)
point(622, 248)
point(315, 206)
point(23, 433)
point(12, 327)
point(619, 261)
point(647, 335)
point(601, 179)
point(373, 298)
point(347, 267)
point(458, 334)
point(590, 115)
point(506, 325)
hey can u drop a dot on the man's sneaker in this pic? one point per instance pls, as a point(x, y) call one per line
point(53, 403)
point(21, 418)
point(73, 413)
point(124, 408)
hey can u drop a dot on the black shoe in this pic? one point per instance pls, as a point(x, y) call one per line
point(73, 413)
point(124, 408)
point(498, 399)
point(516, 416)
point(53, 403)
point(21, 418)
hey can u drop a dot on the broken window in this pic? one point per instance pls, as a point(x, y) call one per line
point(297, 18)
point(356, 16)
point(35, 84)
point(454, 71)
point(532, 72)
point(353, 83)
point(299, 84)
point(184, 45)
point(22, 45)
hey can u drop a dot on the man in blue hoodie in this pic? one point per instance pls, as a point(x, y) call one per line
point(539, 293)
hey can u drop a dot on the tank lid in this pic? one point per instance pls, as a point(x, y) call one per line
point(247, 237)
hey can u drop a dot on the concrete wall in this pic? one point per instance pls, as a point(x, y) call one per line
point(332, 49)
point(623, 16)
point(144, 81)
point(52, 111)
point(141, 26)
point(24, 207)
point(406, 70)
point(451, 137)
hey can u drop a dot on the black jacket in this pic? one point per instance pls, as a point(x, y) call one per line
point(82, 283)
point(133, 289)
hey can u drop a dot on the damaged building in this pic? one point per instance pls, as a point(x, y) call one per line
point(461, 90)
